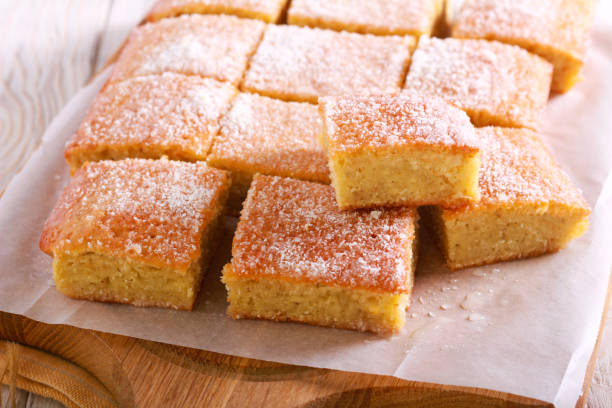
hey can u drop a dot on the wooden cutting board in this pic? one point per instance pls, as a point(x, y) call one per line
point(80, 367)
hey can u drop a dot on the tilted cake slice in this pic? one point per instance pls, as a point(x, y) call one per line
point(528, 205)
point(556, 30)
point(400, 149)
point(268, 136)
point(136, 231)
point(297, 257)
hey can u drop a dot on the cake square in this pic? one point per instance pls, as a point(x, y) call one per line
point(300, 63)
point(381, 17)
point(556, 30)
point(207, 45)
point(268, 136)
point(401, 149)
point(136, 231)
point(152, 116)
point(528, 205)
point(495, 83)
point(297, 257)
point(267, 10)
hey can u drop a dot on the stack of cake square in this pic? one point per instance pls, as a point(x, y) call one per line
point(491, 194)
point(216, 106)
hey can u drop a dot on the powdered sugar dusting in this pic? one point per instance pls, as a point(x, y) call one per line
point(298, 63)
point(354, 122)
point(516, 166)
point(375, 16)
point(214, 46)
point(168, 114)
point(269, 136)
point(560, 24)
point(505, 82)
point(153, 210)
point(294, 229)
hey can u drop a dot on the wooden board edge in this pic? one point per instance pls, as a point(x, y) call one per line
point(588, 377)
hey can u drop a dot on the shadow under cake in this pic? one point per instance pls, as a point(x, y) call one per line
point(136, 231)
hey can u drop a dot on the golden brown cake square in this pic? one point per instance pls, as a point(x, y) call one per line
point(268, 136)
point(297, 257)
point(136, 231)
point(556, 30)
point(207, 45)
point(495, 83)
point(152, 116)
point(528, 205)
point(399, 149)
point(381, 17)
point(300, 63)
point(266, 10)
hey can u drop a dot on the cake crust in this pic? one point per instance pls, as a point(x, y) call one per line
point(528, 205)
point(381, 17)
point(215, 46)
point(300, 64)
point(402, 149)
point(293, 230)
point(263, 135)
point(316, 304)
point(150, 211)
point(266, 10)
point(381, 122)
point(268, 136)
point(153, 116)
point(495, 83)
point(297, 257)
point(557, 30)
point(518, 168)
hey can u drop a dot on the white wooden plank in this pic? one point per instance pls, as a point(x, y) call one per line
point(36, 401)
point(21, 397)
point(600, 394)
point(24, 399)
point(123, 17)
point(47, 54)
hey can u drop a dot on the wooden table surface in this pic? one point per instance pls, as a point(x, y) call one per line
point(50, 49)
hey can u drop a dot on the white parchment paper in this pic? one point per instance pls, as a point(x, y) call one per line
point(525, 327)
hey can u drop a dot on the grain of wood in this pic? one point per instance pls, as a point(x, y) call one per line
point(50, 52)
point(124, 15)
point(600, 395)
point(24, 399)
point(21, 398)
